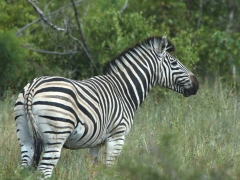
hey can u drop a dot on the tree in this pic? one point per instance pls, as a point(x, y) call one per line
point(205, 33)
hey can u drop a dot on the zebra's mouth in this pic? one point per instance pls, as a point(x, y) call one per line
point(190, 91)
point(186, 93)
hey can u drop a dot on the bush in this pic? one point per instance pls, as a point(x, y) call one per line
point(13, 64)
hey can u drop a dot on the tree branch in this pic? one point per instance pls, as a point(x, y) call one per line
point(43, 17)
point(124, 7)
point(84, 44)
point(27, 26)
point(52, 13)
point(86, 51)
point(200, 14)
point(231, 9)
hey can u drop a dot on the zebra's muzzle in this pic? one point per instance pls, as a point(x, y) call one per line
point(193, 89)
point(188, 92)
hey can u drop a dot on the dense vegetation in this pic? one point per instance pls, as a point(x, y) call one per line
point(173, 137)
point(205, 33)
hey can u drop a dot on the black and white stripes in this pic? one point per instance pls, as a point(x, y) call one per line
point(56, 112)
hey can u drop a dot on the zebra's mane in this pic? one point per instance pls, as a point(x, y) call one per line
point(158, 43)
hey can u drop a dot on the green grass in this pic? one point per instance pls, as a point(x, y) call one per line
point(172, 138)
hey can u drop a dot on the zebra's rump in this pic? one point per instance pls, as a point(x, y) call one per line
point(66, 107)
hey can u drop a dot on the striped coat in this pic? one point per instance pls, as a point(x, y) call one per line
point(56, 112)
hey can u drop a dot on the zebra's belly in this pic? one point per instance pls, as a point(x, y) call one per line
point(80, 138)
point(75, 140)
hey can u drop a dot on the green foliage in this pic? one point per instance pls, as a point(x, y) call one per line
point(186, 51)
point(170, 12)
point(214, 36)
point(205, 36)
point(13, 64)
point(221, 48)
point(15, 15)
point(99, 20)
point(122, 30)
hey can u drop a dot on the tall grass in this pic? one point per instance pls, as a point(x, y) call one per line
point(172, 138)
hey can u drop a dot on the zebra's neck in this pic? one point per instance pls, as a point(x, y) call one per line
point(133, 90)
point(133, 73)
point(137, 68)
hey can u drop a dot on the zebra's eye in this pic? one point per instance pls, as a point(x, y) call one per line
point(174, 63)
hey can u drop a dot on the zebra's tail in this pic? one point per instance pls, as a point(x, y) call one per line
point(34, 130)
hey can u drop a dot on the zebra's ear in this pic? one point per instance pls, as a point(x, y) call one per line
point(164, 42)
point(166, 45)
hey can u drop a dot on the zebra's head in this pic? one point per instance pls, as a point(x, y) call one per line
point(171, 73)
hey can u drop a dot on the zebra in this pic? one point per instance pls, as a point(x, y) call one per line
point(53, 112)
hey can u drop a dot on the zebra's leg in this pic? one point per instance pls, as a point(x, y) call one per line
point(94, 152)
point(49, 158)
point(113, 149)
point(24, 136)
point(54, 140)
point(26, 142)
point(53, 144)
